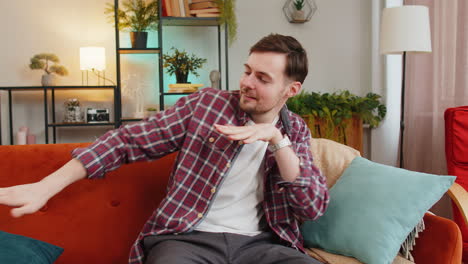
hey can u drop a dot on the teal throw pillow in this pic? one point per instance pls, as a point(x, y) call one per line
point(373, 208)
point(24, 250)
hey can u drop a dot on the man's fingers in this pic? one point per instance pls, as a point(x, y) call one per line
point(23, 210)
point(229, 130)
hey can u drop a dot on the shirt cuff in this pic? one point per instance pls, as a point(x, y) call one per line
point(90, 161)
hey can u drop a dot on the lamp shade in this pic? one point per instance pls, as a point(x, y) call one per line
point(405, 28)
point(92, 58)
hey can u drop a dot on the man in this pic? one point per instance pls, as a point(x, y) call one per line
point(243, 179)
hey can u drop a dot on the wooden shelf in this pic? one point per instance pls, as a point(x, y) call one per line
point(130, 119)
point(177, 93)
point(57, 87)
point(139, 51)
point(78, 124)
point(190, 21)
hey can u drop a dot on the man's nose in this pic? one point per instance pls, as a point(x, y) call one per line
point(248, 81)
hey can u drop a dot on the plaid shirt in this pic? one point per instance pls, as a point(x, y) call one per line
point(204, 158)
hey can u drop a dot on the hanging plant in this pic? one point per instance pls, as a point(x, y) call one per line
point(227, 9)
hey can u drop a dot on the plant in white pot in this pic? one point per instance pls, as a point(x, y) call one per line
point(298, 13)
point(138, 16)
point(49, 63)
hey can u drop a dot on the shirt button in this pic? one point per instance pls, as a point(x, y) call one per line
point(281, 189)
point(240, 142)
point(211, 139)
point(200, 215)
point(228, 165)
point(213, 190)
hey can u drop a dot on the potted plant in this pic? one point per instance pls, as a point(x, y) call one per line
point(339, 116)
point(298, 13)
point(138, 16)
point(43, 61)
point(181, 64)
point(227, 10)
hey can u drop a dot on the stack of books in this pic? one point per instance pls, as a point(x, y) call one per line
point(204, 8)
point(184, 87)
point(188, 8)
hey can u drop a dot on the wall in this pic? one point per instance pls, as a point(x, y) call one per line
point(337, 39)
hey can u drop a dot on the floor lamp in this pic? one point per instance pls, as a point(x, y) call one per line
point(404, 29)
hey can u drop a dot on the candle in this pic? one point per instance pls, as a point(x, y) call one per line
point(21, 138)
point(31, 139)
point(24, 129)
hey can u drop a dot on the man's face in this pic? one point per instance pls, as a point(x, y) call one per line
point(264, 87)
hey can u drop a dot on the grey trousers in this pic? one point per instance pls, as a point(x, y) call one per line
point(220, 248)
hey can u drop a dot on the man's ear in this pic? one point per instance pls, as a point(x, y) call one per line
point(294, 88)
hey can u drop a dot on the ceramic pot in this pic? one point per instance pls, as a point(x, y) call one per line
point(181, 77)
point(298, 15)
point(139, 39)
point(48, 80)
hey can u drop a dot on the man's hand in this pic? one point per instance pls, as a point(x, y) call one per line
point(28, 198)
point(249, 134)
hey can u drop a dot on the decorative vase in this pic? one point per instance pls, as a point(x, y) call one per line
point(72, 111)
point(73, 114)
point(48, 80)
point(139, 39)
point(298, 15)
point(181, 77)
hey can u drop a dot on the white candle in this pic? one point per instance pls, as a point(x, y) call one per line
point(21, 138)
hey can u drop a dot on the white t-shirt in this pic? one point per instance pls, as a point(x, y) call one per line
point(237, 207)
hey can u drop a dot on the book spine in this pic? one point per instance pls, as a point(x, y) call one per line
point(168, 5)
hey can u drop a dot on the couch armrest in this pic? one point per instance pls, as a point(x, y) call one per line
point(440, 242)
point(460, 197)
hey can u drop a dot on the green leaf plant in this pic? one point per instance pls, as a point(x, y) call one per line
point(182, 62)
point(43, 61)
point(334, 110)
point(136, 15)
point(299, 4)
point(227, 9)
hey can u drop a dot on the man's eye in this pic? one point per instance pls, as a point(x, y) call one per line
point(247, 73)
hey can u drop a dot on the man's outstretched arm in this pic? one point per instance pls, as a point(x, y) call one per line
point(29, 198)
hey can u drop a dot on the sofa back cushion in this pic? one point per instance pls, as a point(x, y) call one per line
point(95, 221)
point(332, 158)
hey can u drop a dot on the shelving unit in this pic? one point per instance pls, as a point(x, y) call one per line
point(54, 124)
point(165, 22)
point(50, 118)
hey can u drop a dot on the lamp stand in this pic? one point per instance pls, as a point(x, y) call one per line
point(402, 113)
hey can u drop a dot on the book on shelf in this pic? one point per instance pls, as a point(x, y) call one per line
point(168, 7)
point(185, 85)
point(202, 5)
point(199, 1)
point(175, 8)
point(182, 8)
point(205, 10)
point(182, 90)
point(208, 15)
point(187, 8)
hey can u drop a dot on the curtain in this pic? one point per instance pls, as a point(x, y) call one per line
point(435, 82)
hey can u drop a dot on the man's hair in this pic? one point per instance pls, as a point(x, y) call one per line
point(296, 56)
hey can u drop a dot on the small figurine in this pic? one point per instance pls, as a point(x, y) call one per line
point(215, 76)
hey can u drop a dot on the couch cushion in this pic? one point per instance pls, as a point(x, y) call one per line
point(373, 208)
point(330, 258)
point(332, 158)
point(24, 250)
point(460, 136)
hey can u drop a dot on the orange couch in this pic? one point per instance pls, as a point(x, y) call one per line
point(97, 221)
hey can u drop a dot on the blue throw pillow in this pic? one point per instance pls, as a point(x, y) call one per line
point(24, 250)
point(373, 208)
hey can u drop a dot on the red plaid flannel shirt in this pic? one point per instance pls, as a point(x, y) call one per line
point(204, 158)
